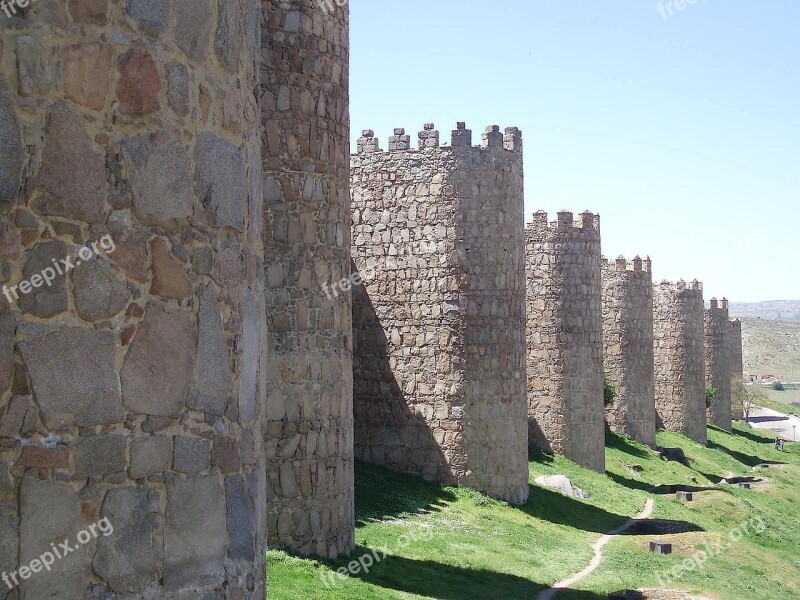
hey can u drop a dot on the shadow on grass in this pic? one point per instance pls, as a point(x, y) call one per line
point(557, 508)
point(623, 444)
point(446, 582)
point(749, 460)
point(381, 494)
point(752, 436)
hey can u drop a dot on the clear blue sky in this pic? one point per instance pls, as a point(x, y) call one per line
point(684, 133)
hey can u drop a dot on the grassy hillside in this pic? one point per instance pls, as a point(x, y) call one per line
point(771, 348)
point(455, 544)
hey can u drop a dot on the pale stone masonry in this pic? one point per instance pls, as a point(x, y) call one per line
point(628, 347)
point(679, 353)
point(564, 337)
point(439, 323)
point(306, 152)
point(133, 387)
point(718, 362)
point(736, 362)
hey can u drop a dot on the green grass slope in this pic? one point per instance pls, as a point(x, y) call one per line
point(429, 541)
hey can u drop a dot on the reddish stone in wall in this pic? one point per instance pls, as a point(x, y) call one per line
point(139, 83)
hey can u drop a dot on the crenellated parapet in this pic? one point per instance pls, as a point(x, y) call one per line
point(718, 362)
point(564, 337)
point(628, 346)
point(428, 139)
point(679, 357)
point(439, 321)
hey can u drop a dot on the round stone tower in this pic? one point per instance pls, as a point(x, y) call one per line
point(719, 371)
point(305, 158)
point(131, 369)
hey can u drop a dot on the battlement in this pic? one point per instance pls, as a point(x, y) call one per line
point(715, 304)
point(428, 139)
point(565, 221)
point(623, 264)
point(681, 285)
point(736, 324)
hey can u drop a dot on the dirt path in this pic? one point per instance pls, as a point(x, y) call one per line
point(598, 554)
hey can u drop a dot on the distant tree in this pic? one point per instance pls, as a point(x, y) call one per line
point(711, 393)
point(778, 387)
point(747, 397)
point(609, 391)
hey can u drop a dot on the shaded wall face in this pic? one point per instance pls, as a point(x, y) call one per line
point(628, 351)
point(718, 365)
point(130, 378)
point(309, 430)
point(735, 357)
point(679, 352)
point(564, 339)
point(438, 323)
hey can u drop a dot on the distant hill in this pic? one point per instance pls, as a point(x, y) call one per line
point(775, 310)
point(771, 348)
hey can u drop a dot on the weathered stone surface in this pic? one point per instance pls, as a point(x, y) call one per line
point(562, 484)
point(178, 87)
point(718, 362)
point(226, 454)
point(139, 83)
point(160, 176)
point(221, 180)
point(230, 34)
point(152, 385)
point(14, 415)
point(51, 512)
point(43, 300)
point(92, 12)
point(212, 378)
point(9, 241)
point(35, 77)
point(191, 556)
point(99, 291)
point(155, 424)
point(241, 519)
point(87, 74)
point(69, 150)
point(253, 353)
point(150, 456)
point(10, 148)
point(126, 559)
point(100, 455)
point(149, 15)
point(192, 455)
point(44, 458)
point(7, 328)
point(170, 278)
point(9, 536)
point(68, 391)
point(131, 254)
point(193, 22)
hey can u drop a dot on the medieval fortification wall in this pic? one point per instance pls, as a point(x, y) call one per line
point(628, 347)
point(439, 320)
point(564, 337)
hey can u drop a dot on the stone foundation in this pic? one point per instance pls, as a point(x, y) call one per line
point(679, 355)
point(131, 386)
point(564, 337)
point(439, 319)
point(628, 347)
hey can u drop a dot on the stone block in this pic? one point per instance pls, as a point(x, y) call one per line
point(100, 293)
point(80, 392)
point(150, 456)
point(87, 74)
point(100, 455)
point(660, 548)
point(221, 181)
point(10, 149)
point(212, 379)
point(684, 496)
point(192, 455)
point(151, 385)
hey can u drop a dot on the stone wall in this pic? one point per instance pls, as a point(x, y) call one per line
point(679, 355)
point(305, 114)
point(718, 362)
point(439, 322)
point(628, 347)
point(736, 365)
point(564, 337)
point(132, 384)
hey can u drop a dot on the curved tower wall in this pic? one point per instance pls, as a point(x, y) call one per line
point(718, 362)
point(679, 351)
point(131, 372)
point(305, 159)
point(564, 337)
point(628, 347)
point(439, 319)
